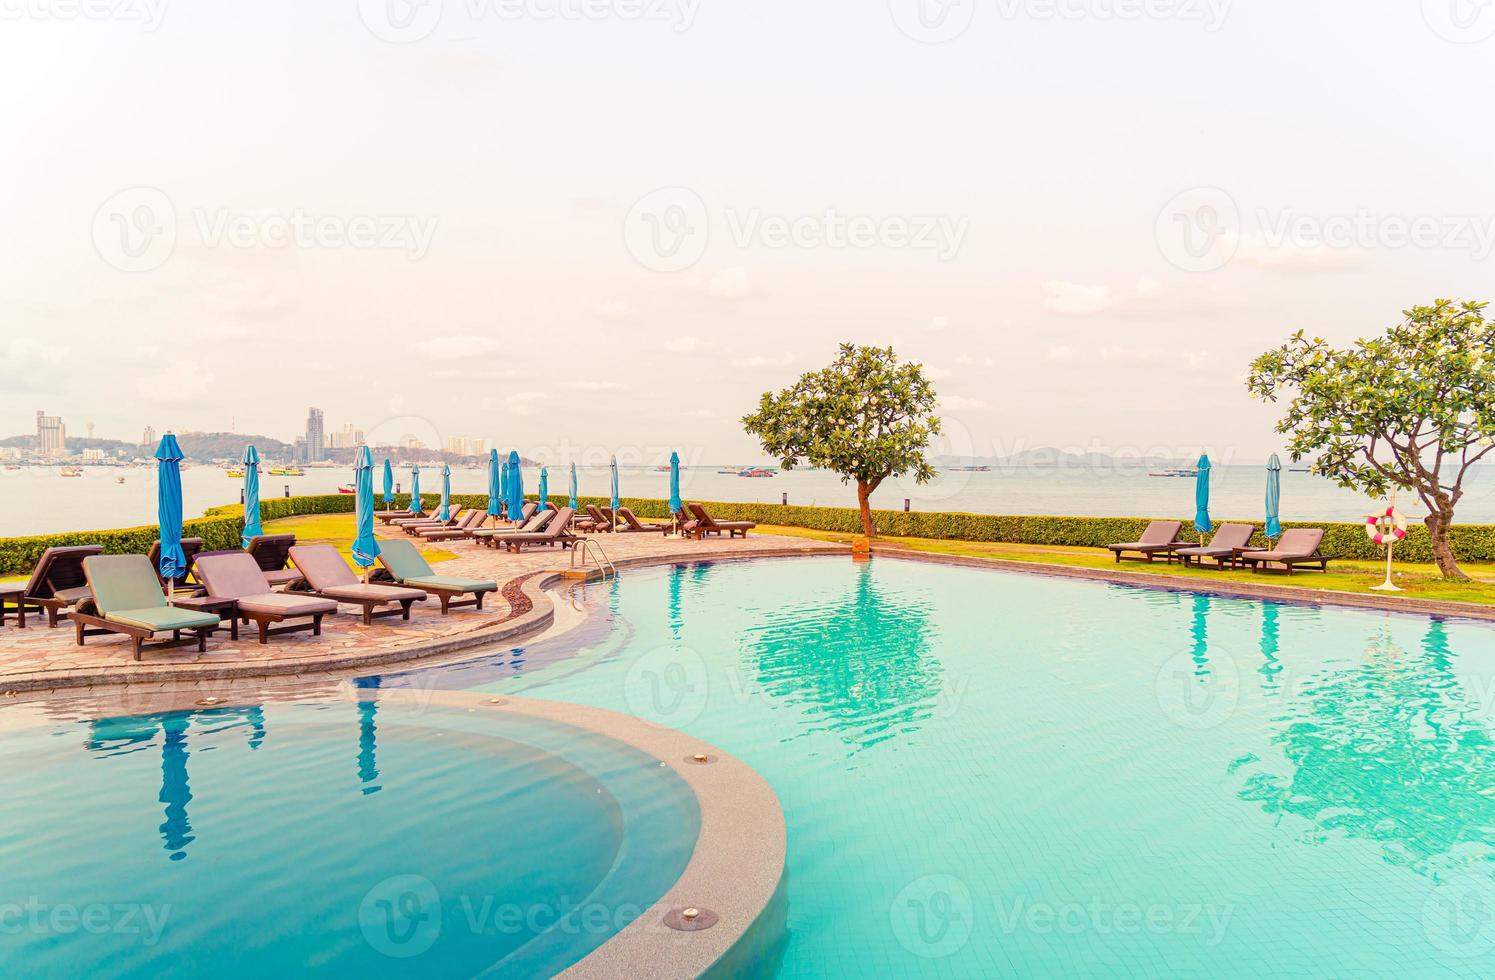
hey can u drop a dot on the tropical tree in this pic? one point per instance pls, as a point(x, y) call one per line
point(866, 417)
point(1412, 410)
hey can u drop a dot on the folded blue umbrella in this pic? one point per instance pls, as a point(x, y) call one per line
point(616, 500)
point(516, 487)
point(675, 503)
point(365, 545)
point(544, 487)
point(415, 489)
point(172, 563)
point(1202, 522)
point(573, 486)
point(1274, 498)
point(389, 484)
point(252, 526)
point(494, 485)
point(445, 513)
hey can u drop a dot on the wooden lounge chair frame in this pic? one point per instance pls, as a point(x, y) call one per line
point(1154, 542)
point(705, 524)
point(1224, 555)
point(86, 614)
point(632, 525)
point(265, 621)
point(58, 581)
point(367, 603)
point(1263, 559)
point(557, 531)
point(446, 595)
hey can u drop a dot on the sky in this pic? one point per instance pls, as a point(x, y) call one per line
point(574, 226)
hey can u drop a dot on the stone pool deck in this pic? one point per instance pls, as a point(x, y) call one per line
point(37, 658)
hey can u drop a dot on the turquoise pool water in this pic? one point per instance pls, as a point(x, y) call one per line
point(372, 839)
point(1005, 775)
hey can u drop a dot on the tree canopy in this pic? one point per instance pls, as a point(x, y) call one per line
point(1412, 410)
point(866, 416)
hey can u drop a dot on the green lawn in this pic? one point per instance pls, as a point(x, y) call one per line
point(1419, 581)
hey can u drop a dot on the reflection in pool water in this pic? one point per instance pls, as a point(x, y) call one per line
point(367, 838)
point(1009, 775)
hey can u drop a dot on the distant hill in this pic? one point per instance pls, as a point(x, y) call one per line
point(1049, 456)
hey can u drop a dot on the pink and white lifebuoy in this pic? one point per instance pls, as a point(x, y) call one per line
point(1386, 527)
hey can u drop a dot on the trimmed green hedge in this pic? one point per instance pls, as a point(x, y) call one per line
point(222, 526)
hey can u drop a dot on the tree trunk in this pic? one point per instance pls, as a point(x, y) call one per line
point(864, 501)
point(1438, 525)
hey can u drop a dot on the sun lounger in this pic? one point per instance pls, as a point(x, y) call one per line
point(556, 531)
point(704, 524)
point(462, 530)
point(126, 598)
point(394, 515)
point(272, 552)
point(234, 575)
point(1298, 546)
point(57, 582)
point(404, 563)
point(490, 537)
point(329, 577)
point(1160, 538)
point(408, 524)
point(631, 523)
point(595, 520)
point(1228, 542)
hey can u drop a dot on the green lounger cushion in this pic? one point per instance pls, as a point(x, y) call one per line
point(404, 560)
point(451, 584)
point(121, 582)
point(161, 618)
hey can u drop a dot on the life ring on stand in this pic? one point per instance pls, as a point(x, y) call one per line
point(1386, 527)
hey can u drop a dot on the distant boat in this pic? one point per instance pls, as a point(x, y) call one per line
point(1301, 469)
point(347, 488)
point(71, 471)
point(119, 479)
point(286, 471)
point(1178, 472)
point(757, 473)
point(969, 469)
point(233, 474)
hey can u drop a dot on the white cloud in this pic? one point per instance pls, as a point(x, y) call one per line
point(180, 382)
point(525, 403)
point(618, 309)
point(1289, 256)
point(595, 385)
point(1077, 300)
point(459, 347)
point(1192, 360)
point(936, 374)
point(959, 403)
point(939, 324)
point(966, 360)
point(763, 360)
point(733, 283)
point(684, 345)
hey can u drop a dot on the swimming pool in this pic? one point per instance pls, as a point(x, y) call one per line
point(997, 774)
point(376, 837)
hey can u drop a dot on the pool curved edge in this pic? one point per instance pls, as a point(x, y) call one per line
point(739, 854)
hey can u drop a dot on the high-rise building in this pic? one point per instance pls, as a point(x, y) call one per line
point(51, 436)
point(149, 439)
point(316, 443)
point(457, 445)
point(479, 447)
